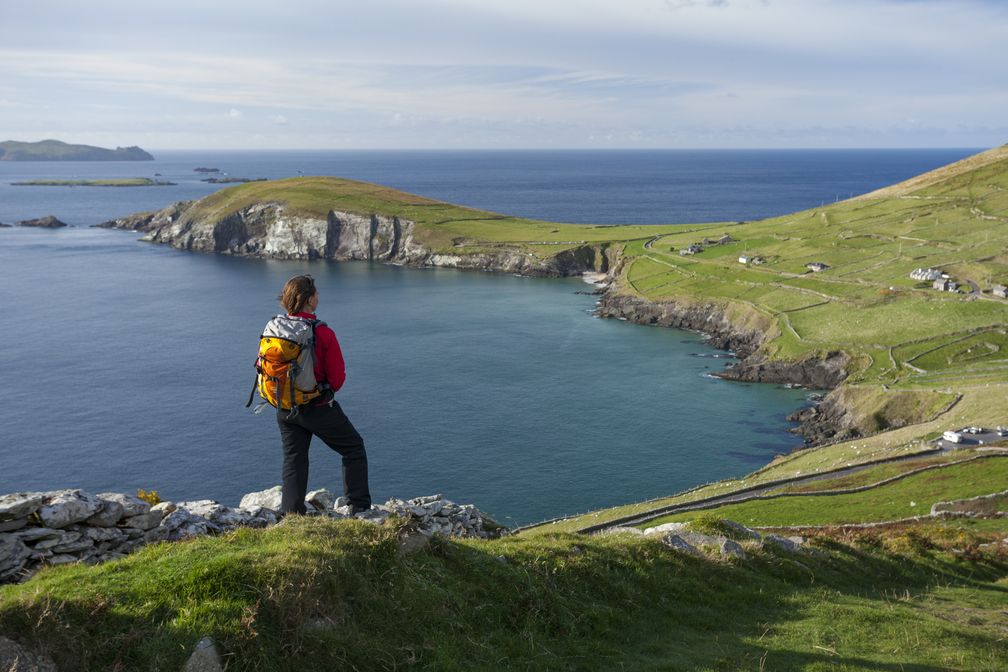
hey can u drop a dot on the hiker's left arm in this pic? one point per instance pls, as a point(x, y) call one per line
point(331, 358)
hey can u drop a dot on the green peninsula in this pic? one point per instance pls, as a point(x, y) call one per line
point(56, 150)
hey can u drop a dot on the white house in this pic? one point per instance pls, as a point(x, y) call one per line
point(925, 274)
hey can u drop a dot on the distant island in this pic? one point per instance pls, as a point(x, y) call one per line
point(119, 182)
point(206, 170)
point(55, 150)
point(232, 180)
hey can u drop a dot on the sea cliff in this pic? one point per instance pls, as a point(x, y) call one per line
point(268, 230)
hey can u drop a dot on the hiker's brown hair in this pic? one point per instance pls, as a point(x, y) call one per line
point(296, 293)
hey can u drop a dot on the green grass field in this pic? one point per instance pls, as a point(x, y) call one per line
point(908, 497)
point(319, 594)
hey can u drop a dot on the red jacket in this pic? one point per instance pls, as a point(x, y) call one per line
point(329, 365)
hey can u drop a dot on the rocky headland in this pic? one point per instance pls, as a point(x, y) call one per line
point(268, 231)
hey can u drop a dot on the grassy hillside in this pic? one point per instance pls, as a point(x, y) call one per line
point(319, 594)
point(442, 226)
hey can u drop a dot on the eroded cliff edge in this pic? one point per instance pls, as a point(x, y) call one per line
point(266, 230)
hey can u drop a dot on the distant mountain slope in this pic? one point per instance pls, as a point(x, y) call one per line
point(55, 150)
point(970, 163)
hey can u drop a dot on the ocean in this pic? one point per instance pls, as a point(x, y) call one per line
point(127, 364)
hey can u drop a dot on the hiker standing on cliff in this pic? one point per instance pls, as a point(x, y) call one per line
point(300, 367)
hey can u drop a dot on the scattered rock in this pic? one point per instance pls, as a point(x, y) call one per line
point(164, 508)
point(204, 658)
point(20, 504)
point(68, 526)
point(623, 530)
point(47, 222)
point(66, 507)
point(732, 549)
point(674, 541)
point(132, 506)
point(110, 514)
point(16, 658)
point(267, 499)
point(741, 530)
point(14, 555)
point(322, 500)
point(412, 540)
point(144, 521)
point(666, 527)
point(790, 544)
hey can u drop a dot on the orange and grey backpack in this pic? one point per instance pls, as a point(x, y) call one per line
point(285, 367)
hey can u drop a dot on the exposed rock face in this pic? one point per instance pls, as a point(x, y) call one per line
point(823, 422)
point(266, 230)
point(827, 421)
point(709, 319)
point(47, 222)
point(66, 526)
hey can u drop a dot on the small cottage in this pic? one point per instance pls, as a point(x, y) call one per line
point(816, 266)
point(744, 259)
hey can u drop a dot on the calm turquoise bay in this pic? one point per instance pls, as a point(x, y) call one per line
point(127, 365)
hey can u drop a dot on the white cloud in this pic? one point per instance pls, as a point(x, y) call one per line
point(494, 72)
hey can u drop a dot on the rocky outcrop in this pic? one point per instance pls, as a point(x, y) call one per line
point(47, 222)
point(68, 526)
point(827, 421)
point(681, 537)
point(707, 318)
point(267, 230)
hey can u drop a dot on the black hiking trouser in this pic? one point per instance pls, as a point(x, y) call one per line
point(330, 424)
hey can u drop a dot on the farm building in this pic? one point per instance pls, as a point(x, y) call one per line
point(692, 249)
point(1001, 291)
point(725, 239)
point(744, 259)
point(816, 266)
point(926, 274)
point(945, 285)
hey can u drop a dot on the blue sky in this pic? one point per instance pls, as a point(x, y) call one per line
point(506, 74)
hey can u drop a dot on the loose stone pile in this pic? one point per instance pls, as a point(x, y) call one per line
point(66, 526)
point(680, 537)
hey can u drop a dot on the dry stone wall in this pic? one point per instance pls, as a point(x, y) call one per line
point(67, 526)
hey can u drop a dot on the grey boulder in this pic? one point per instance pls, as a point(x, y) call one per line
point(66, 507)
point(20, 504)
